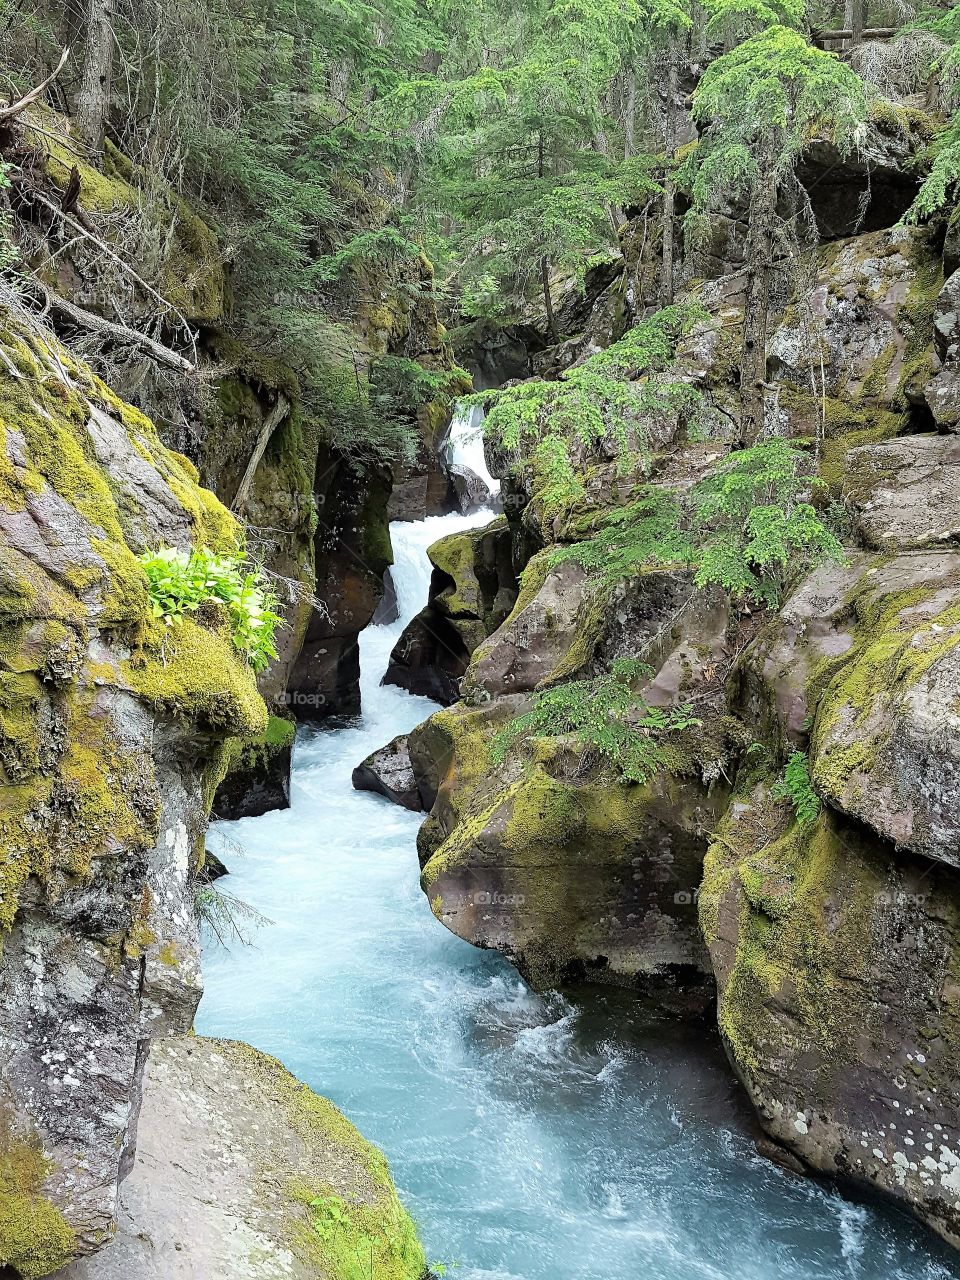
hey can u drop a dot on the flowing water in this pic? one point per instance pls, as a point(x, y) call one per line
point(531, 1138)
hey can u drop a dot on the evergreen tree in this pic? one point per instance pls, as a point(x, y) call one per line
point(758, 103)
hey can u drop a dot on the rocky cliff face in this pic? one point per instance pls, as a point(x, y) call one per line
point(831, 943)
point(113, 734)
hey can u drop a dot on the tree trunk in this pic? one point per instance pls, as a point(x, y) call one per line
point(548, 300)
point(669, 185)
point(94, 100)
point(544, 261)
point(855, 18)
point(630, 115)
point(753, 367)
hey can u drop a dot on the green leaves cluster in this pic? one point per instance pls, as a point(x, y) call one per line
point(608, 721)
point(181, 582)
point(606, 397)
point(753, 525)
point(795, 786)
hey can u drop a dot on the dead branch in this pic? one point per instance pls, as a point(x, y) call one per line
point(118, 332)
point(270, 424)
point(11, 112)
point(124, 266)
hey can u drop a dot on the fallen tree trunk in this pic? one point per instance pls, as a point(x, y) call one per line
point(273, 420)
point(119, 333)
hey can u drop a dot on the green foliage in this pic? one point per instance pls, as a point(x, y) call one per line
point(607, 397)
point(608, 720)
point(941, 183)
point(650, 530)
point(752, 526)
point(180, 582)
point(759, 103)
point(795, 786)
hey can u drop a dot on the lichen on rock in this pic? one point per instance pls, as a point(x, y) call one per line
point(113, 734)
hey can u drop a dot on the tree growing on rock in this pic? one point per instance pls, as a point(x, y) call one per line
point(759, 104)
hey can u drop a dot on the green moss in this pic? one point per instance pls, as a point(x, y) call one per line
point(35, 1238)
point(348, 1222)
point(195, 674)
point(801, 906)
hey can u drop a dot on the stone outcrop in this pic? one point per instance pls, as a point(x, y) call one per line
point(389, 773)
point(258, 774)
point(472, 591)
point(114, 732)
point(237, 1165)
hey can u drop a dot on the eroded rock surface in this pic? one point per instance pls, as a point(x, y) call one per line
point(232, 1150)
point(114, 731)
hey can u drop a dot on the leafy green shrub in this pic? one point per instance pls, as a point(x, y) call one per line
point(750, 525)
point(795, 786)
point(608, 719)
point(179, 582)
point(606, 397)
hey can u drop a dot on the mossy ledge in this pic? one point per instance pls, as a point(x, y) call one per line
point(115, 730)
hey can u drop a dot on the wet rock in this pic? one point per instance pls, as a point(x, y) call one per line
point(228, 1140)
point(389, 773)
point(388, 610)
point(833, 959)
point(258, 780)
point(549, 858)
point(472, 492)
point(472, 590)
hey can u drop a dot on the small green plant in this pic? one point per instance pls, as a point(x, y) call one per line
point(649, 530)
point(751, 525)
point(608, 719)
point(795, 786)
point(179, 582)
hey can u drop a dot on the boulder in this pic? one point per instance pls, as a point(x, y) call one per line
point(238, 1163)
point(114, 732)
point(542, 852)
point(389, 773)
point(835, 960)
point(905, 493)
point(258, 778)
point(472, 590)
point(472, 492)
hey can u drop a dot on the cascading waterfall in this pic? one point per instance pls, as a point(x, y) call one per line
point(532, 1138)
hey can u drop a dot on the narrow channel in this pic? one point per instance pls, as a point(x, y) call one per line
point(532, 1138)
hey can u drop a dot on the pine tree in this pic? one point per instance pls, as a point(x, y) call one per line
point(758, 103)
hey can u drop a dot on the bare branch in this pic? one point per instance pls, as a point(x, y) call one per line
point(10, 113)
point(270, 424)
point(119, 332)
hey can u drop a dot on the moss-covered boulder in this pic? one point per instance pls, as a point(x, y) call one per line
point(543, 852)
point(113, 734)
point(258, 774)
point(836, 963)
point(243, 1171)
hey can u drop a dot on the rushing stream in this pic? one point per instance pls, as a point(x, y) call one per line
point(531, 1138)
